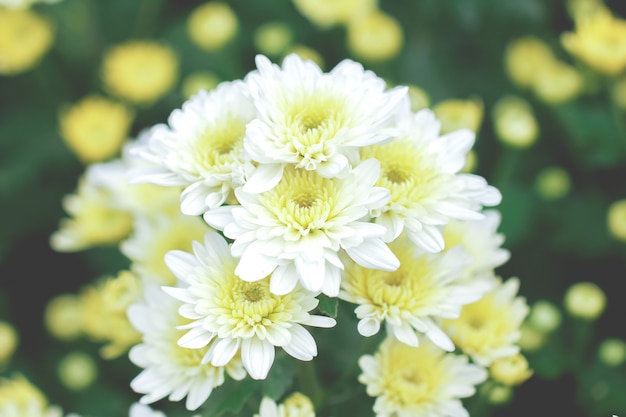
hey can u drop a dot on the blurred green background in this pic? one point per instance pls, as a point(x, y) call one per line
point(450, 50)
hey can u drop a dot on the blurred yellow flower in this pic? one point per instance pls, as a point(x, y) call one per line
point(306, 52)
point(77, 370)
point(212, 25)
point(104, 307)
point(273, 38)
point(612, 351)
point(553, 183)
point(471, 161)
point(456, 114)
point(197, 81)
point(63, 317)
point(25, 37)
point(95, 128)
point(599, 41)
point(531, 339)
point(499, 394)
point(92, 220)
point(585, 300)
point(139, 71)
point(8, 342)
point(580, 8)
point(525, 57)
point(18, 397)
point(544, 316)
point(511, 370)
point(376, 37)
point(557, 83)
point(328, 13)
point(616, 219)
point(514, 122)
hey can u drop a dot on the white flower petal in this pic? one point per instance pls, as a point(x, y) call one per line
point(257, 357)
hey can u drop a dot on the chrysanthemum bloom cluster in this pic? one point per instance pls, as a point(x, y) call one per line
point(293, 184)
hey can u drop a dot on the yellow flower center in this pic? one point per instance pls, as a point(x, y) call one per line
point(219, 145)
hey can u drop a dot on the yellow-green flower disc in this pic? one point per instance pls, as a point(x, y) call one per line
point(544, 316)
point(616, 219)
point(212, 25)
point(585, 300)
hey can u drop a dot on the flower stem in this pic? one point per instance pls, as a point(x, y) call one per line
point(309, 383)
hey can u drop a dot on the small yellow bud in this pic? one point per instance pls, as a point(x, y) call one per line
point(510, 371)
point(199, 81)
point(531, 339)
point(585, 300)
point(544, 316)
point(375, 37)
point(514, 122)
point(8, 342)
point(553, 183)
point(212, 25)
point(471, 161)
point(612, 351)
point(456, 114)
point(77, 371)
point(557, 83)
point(273, 38)
point(524, 58)
point(500, 394)
point(63, 317)
point(616, 219)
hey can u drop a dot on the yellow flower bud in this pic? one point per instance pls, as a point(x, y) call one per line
point(544, 316)
point(511, 370)
point(585, 300)
point(8, 342)
point(419, 98)
point(212, 25)
point(612, 351)
point(553, 183)
point(456, 114)
point(273, 38)
point(77, 371)
point(63, 317)
point(514, 122)
point(306, 52)
point(199, 81)
point(375, 37)
point(525, 57)
point(616, 219)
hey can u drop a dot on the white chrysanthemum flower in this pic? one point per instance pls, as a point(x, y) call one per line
point(314, 120)
point(481, 240)
point(153, 237)
point(412, 299)
point(201, 147)
point(418, 381)
point(296, 230)
point(421, 171)
point(490, 328)
point(142, 410)
point(170, 370)
point(235, 316)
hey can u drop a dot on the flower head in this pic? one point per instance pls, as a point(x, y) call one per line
point(25, 37)
point(421, 171)
point(233, 316)
point(375, 37)
point(314, 120)
point(20, 398)
point(296, 230)
point(418, 381)
point(212, 25)
point(139, 71)
point(95, 128)
point(170, 370)
point(489, 328)
point(412, 299)
point(200, 148)
point(296, 405)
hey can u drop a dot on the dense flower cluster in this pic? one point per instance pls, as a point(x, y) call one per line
point(264, 195)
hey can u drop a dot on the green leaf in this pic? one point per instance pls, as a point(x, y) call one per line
point(229, 397)
point(328, 305)
point(280, 378)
